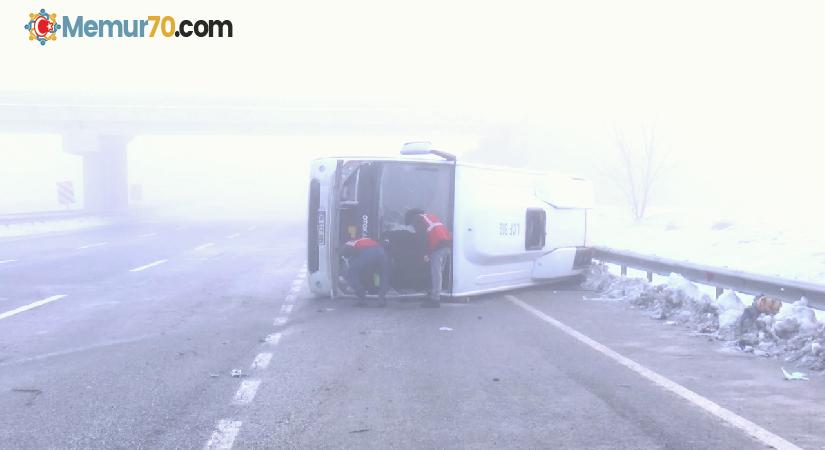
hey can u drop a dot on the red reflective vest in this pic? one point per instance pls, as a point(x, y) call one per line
point(362, 243)
point(436, 231)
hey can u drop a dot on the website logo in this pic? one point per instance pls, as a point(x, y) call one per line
point(42, 27)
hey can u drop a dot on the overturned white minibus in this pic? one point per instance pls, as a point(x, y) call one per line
point(511, 228)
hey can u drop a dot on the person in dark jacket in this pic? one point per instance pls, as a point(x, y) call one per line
point(366, 259)
point(436, 238)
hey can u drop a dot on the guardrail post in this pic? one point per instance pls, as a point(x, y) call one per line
point(624, 270)
point(650, 277)
point(719, 291)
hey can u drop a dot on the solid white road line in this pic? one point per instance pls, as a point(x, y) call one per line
point(31, 306)
point(262, 361)
point(731, 418)
point(207, 245)
point(273, 339)
point(147, 235)
point(224, 435)
point(286, 309)
point(156, 263)
point(279, 321)
point(246, 392)
point(6, 261)
point(233, 236)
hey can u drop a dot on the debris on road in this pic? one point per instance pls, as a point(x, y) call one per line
point(794, 375)
point(237, 373)
point(766, 327)
point(362, 430)
point(214, 375)
point(445, 329)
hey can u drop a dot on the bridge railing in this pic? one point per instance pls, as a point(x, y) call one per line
point(718, 277)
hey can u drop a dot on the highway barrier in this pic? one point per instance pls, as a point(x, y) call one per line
point(719, 277)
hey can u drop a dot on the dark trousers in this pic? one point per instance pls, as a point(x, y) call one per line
point(369, 261)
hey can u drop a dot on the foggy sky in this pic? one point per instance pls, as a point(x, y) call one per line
point(733, 89)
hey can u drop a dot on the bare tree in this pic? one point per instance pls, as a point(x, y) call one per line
point(639, 170)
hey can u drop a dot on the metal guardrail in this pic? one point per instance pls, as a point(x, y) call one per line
point(44, 216)
point(719, 277)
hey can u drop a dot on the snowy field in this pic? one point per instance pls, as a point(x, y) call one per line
point(785, 244)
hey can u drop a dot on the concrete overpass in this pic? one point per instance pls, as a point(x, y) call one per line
point(99, 129)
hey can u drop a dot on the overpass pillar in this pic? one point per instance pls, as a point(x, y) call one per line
point(105, 170)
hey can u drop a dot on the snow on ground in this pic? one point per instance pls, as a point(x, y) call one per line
point(793, 334)
point(788, 244)
point(51, 226)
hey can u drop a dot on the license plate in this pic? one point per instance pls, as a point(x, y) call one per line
point(322, 227)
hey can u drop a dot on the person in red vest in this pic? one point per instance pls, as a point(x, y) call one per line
point(437, 240)
point(366, 258)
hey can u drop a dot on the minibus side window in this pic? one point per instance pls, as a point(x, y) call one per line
point(535, 229)
point(349, 191)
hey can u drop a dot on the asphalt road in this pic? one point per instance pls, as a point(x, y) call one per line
point(138, 353)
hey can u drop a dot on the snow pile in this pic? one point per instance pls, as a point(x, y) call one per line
point(52, 226)
point(793, 333)
point(730, 309)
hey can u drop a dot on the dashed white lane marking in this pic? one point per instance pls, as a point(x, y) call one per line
point(233, 236)
point(286, 309)
point(204, 246)
point(246, 392)
point(99, 244)
point(273, 339)
point(153, 264)
point(262, 361)
point(280, 321)
point(733, 419)
point(289, 298)
point(148, 235)
point(224, 435)
point(298, 282)
point(6, 261)
point(295, 289)
point(25, 308)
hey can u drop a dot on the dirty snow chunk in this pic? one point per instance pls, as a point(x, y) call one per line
point(794, 375)
point(730, 309)
point(445, 329)
point(796, 318)
point(597, 278)
point(689, 290)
